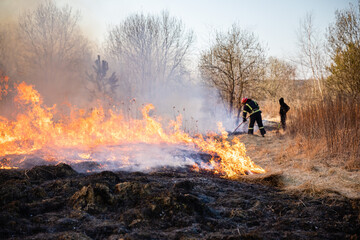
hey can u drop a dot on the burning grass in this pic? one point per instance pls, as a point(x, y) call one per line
point(80, 135)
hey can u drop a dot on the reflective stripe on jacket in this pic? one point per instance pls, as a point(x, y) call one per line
point(250, 107)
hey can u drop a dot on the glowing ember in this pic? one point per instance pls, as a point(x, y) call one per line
point(35, 130)
point(5, 164)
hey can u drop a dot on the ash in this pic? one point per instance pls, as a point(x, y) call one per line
point(56, 202)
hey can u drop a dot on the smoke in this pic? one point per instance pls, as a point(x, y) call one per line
point(200, 107)
point(144, 157)
point(65, 81)
point(55, 65)
point(10, 9)
point(125, 157)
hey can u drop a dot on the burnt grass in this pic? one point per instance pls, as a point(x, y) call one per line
point(56, 202)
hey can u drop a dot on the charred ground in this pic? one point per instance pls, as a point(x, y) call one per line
point(56, 202)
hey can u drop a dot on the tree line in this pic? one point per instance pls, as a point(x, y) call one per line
point(145, 54)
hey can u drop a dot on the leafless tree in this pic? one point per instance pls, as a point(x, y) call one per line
point(10, 49)
point(344, 47)
point(346, 29)
point(312, 53)
point(55, 51)
point(151, 49)
point(234, 64)
point(10, 62)
point(279, 80)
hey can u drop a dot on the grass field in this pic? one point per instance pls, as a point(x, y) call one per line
point(320, 151)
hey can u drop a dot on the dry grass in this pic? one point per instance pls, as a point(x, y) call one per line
point(290, 165)
point(270, 109)
point(319, 154)
point(295, 163)
point(329, 128)
point(273, 179)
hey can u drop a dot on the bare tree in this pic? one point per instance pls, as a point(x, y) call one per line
point(279, 80)
point(234, 64)
point(10, 49)
point(151, 49)
point(55, 50)
point(10, 62)
point(346, 29)
point(312, 53)
point(344, 46)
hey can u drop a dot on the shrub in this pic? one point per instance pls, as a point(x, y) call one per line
point(334, 121)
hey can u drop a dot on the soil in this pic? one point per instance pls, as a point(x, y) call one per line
point(56, 202)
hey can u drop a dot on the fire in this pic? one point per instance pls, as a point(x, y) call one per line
point(36, 130)
point(5, 164)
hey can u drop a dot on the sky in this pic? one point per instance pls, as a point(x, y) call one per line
point(274, 22)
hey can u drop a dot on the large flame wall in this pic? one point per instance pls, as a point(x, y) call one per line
point(35, 129)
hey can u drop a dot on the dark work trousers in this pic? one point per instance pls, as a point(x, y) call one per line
point(283, 120)
point(256, 117)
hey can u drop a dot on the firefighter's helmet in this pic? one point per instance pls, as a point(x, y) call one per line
point(244, 100)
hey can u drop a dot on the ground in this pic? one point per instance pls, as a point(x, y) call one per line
point(291, 201)
point(279, 154)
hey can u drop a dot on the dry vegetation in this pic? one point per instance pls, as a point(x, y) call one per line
point(331, 126)
point(311, 157)
point(316, 161)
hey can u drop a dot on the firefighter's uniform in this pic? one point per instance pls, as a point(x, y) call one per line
point(251, 107)
point(284, 108)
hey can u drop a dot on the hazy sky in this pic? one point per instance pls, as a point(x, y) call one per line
point(275, 22)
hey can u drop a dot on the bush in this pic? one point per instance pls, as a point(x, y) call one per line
point(335, 122)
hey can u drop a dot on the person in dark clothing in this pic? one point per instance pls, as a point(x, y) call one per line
point(284, 108)
point(251, 107)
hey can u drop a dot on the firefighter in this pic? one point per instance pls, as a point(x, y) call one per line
point(251, 107)
point(284, 108)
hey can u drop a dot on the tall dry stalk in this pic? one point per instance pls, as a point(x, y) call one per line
point(333, 121)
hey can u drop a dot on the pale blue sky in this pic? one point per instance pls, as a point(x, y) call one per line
point(275, 22)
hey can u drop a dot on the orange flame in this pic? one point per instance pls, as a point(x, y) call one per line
point(36, 129)
point(5, 164)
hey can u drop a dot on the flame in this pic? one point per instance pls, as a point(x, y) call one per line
point(36, 130)
point(85, 155)
point(5, 164)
